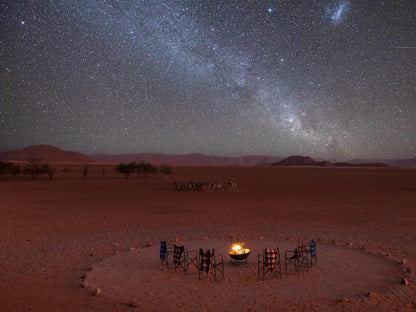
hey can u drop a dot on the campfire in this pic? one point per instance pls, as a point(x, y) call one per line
point(239, 251)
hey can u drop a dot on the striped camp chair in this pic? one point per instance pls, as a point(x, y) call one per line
point(312, 252)
point(209, 263)
point(183, 259)
point(166, 249)
point(297, 257)
point(269, 262)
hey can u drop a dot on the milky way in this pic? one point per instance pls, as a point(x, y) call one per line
point(332, 79)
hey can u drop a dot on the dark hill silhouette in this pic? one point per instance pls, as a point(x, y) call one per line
point(44, 153)
point(308, 161)
point(48, 153)
point(296, 160)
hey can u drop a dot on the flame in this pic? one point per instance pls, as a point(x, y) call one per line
point(239, 249)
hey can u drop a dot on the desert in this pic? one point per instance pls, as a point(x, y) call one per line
point(106, 230)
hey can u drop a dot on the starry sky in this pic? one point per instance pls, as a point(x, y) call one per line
point(332, 79)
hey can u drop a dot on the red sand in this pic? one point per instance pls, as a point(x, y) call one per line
point(52, 232)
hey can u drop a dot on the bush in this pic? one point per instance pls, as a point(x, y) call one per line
point(166, 169)
point(35, 169)
point(126, 169)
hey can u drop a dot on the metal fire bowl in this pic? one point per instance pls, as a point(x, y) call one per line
point(239, 256)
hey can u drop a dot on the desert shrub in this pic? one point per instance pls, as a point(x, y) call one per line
point(166, 169)
point(5, 167)
point(85, 172)
point(34, 169)
point(146, 168)
point(9, 168)
point(126, 169)
point(51, 172)
point(15, 170)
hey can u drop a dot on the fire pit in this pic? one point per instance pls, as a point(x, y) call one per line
point(239, 251)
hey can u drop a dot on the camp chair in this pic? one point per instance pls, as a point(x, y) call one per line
point(297, 257)
point(312, 251)
point(209, 263)
point(269, 262)
point(183, 259)
point(166, 248)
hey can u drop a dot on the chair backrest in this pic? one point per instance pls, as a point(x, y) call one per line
point(178, 253)
point(271, 257)
point(300, 250)
point(205, 259)
point(163, 249)
point(313, 247)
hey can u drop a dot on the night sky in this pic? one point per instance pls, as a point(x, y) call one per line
point(332, 79)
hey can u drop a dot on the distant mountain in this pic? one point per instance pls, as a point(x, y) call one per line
point(308, 161)
point(48, 153)
point(296, 160)
point(187, 159)
point(411, 162)
point(403, 162)
point(44, 153)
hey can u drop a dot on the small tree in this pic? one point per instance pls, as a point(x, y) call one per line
point(126, 169)
point(35, 169)
point(166, 170)
point(51, 172)
point(85, 172)
point(5, 167)
point(15, 170)
point(145, 168)
point(9, 168)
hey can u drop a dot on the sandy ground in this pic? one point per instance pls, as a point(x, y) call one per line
point(53, 232)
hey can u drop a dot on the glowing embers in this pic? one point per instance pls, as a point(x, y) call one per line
point(239, 251)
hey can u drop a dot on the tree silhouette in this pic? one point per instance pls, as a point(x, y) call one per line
point(126, 169)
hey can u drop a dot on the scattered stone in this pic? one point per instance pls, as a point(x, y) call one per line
point(92, 268)
point(206, 238)
point(134, 303)
point(97, 292)
point(404, 261)
point(410, 271)
point(117, 252)
point(372, 295)
point(85, 275)
point(334, 242)
point(345, 300)
point(261, 237)
point(349, 243)
point(148, 245)
point(131, 248)
point(93, 254)
point(177, 239)
point(85, 284)
point(405, 282)
point(116, 244)
point(364, 247)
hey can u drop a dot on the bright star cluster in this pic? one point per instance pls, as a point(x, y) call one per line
point(332, 79)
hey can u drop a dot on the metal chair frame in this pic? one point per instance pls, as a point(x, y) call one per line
point(183, 259)
point(166, 249)
point(312, 252)
point(297, 257)
point(269, 262)
point(216, 264)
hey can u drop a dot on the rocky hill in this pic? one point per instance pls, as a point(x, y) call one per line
point(44, 153)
